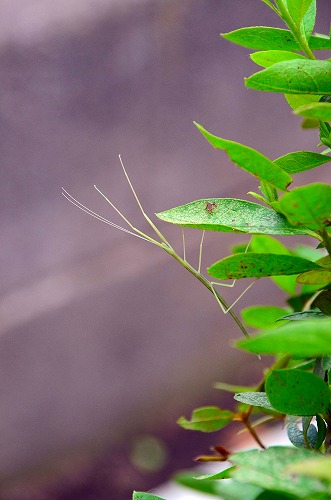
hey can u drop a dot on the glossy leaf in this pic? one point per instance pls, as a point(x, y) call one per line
point(207, 419)
point(259, 399)
point(231, 215)
point(296, 392)
point(259, 265)
point(262, 316)
point(138, 495)
point(308, 338)
point(250, 160)
point(266, 38)
point(267, 469)
point(297, 9)
point(297, 437)
point(294, 77)
point(308, 206)
point(319, 110)
point(299, 161)
point(316, 277)
point(267, 58)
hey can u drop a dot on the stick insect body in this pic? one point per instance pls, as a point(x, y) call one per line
point(163, 243)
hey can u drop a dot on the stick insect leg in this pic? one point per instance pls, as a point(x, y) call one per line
point(184, 246)
point(200, 251)
point(225, 311)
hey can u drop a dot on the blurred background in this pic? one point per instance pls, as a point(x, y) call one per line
point(104, 340)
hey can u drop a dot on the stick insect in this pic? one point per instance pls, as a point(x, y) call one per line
point(163, 243)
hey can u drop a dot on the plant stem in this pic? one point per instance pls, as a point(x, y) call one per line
point(283, 13)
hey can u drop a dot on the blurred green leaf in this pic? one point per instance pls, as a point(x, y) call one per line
point(308, 338)
point(262, 316)
point(231, 215)
point(297, 100)
point(294, 77)
point(297, 437)
point(267, 38)
point(317, 466)
point(319, 110)
point(267, 58)
point(207, 419)
point(299, 161)
point(259, 265)
point(138, 495)
point(268, 469)
point(315, 277)
point(308, 206)
point(259, 399)
point(232, 388)
point(323, 302)
point(250, 160)
point(224, 474)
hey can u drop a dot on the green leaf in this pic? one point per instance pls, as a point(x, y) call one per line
point(267, 38)
point(308, 206)
point(267, 244)
point(297, 100)
point(259, 399)
point(299, 161)
point(262, 316)
point(207, 419)
point(224, 474)
point(259, 265)
point(308, 338)
point(317, 466)
point(294, 77)
point(297, 9)
point(250, 160)
point(319, 110)
point(205, 486)
point(308, 22)
point(316, 277)
point(231, 215)
point(296, 392)
point(299, 316)
point(297, 437)
point(267, 58)
point(232, 388)
point(138, 495)
point(268, 469)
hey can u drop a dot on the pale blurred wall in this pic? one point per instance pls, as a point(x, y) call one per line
point(100, 331)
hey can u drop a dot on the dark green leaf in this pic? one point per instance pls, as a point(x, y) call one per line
point(294, 77)
point(259, 265)
point(267, 469)
point(267, 58)
point(308, 338)
point(300, 161)
point(266, 38)
point(231, 215)
point(250, 160)
point(296, 392)
point(297, 437)
point(308, 206)
point(319, 110)
point(298, 316)
point(267, 244)
point(259, 399)
point(321, 433)
point(207, 419)
point(138, 495)
point(262, 316)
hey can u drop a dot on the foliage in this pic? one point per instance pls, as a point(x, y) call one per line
point(296, 387)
